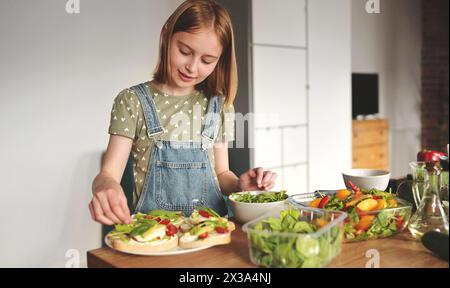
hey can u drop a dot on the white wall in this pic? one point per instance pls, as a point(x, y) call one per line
point(294, 48)
point(330, 92)
point(59, 75)
point(279, 91)
point(389, 43)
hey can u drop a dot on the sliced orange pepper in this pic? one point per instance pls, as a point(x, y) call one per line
point(365, 222)
point(315, 203)
point(381, 204)
point(342, 194)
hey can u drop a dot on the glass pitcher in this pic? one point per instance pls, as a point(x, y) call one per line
point(420, 180)
point(430, 215)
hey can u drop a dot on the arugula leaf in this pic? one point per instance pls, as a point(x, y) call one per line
point(334, 204)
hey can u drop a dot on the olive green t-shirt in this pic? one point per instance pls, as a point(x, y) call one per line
point(127, 119)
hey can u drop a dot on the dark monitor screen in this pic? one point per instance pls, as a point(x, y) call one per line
point(364, 94)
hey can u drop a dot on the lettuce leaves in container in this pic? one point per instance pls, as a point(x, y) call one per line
point(296, 237)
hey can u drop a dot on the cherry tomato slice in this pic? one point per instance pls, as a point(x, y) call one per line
point(171, 230)
point(399, 223)
point(203, 213)
point(165, 222)
point(221, 230)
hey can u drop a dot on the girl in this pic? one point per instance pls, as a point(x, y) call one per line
point(177, 126)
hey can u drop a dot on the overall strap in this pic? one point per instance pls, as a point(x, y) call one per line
point(149, 107)
point(212, 121)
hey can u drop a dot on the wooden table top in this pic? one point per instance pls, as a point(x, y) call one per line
point(399, 251)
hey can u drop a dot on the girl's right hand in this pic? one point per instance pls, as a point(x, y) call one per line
point(109, 204)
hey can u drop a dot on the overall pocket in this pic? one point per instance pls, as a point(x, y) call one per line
point(181, 185)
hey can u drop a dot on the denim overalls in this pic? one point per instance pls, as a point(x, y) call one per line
point(179, 175)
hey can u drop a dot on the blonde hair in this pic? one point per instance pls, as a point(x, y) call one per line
point(191, 16)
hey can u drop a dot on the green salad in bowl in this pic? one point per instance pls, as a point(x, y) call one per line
point(249, 205)
point(262, 197)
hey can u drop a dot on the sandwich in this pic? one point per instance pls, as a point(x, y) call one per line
point(155, 231)
point(205, 228)
point(199, 215)
point(161, 230)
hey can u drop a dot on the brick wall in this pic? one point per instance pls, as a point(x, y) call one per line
point(435, 24)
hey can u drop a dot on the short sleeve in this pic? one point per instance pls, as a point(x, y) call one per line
point(226, 130)
point(125, 114)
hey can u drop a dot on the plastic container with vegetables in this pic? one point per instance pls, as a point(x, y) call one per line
point(296, 237)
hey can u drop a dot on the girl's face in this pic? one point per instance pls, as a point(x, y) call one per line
point(193, 57)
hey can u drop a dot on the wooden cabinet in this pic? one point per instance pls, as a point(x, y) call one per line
point(370, 144)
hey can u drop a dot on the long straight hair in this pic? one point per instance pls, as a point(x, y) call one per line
point(191, 16)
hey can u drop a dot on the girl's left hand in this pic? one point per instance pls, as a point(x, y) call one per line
point(257, 179)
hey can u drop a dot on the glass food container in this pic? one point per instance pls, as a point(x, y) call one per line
point(368, 225)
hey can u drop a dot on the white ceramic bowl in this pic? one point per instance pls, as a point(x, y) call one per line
point(245, 212)
point(367, 178)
